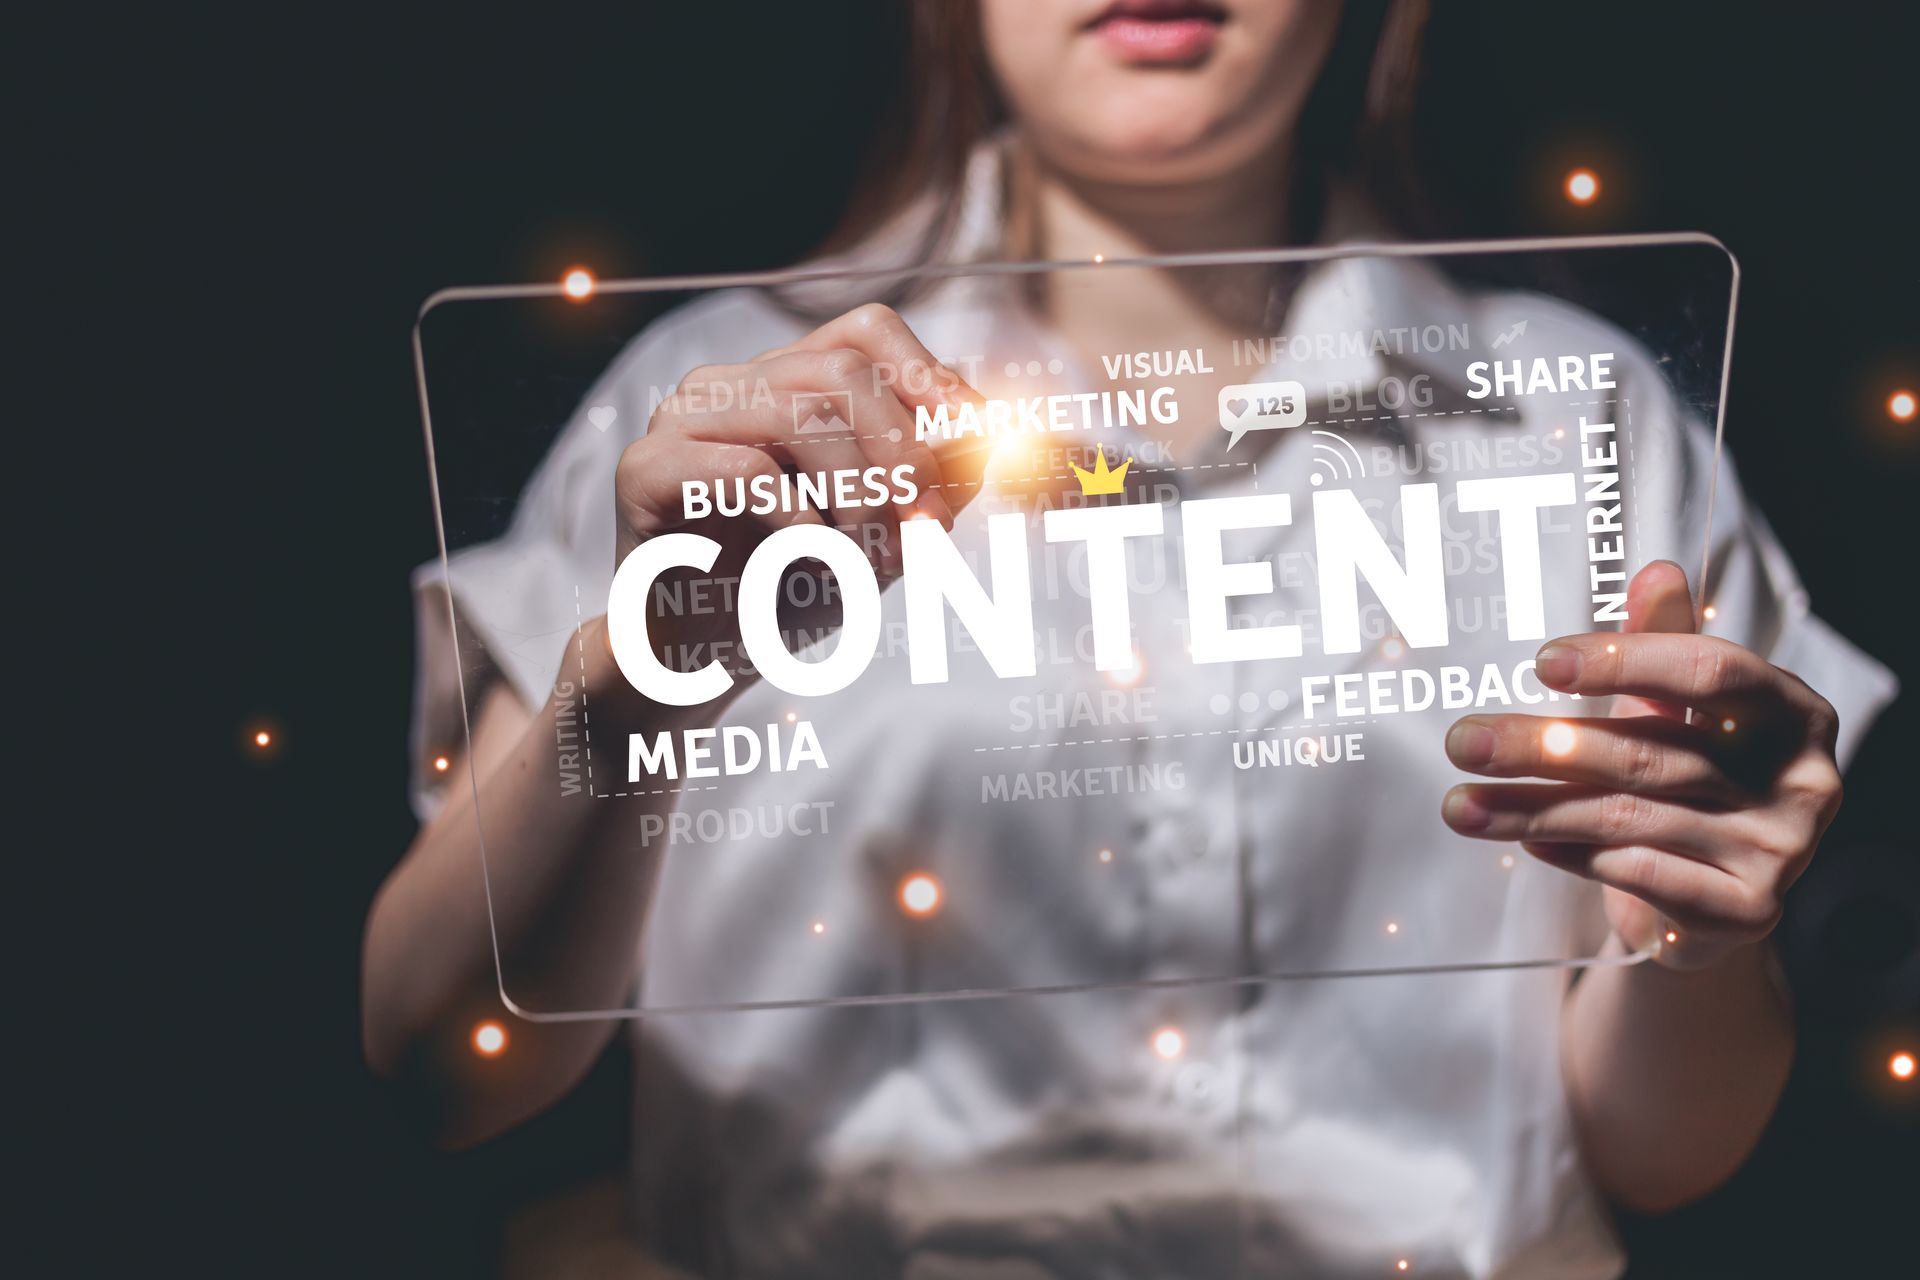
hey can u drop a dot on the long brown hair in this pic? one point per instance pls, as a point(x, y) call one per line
point(941, 103)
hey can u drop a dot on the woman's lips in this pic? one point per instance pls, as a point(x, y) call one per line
point(1159, 33)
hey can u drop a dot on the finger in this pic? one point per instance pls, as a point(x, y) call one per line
point(903, 365)
point(901, 360)
point(882, 427)
point(1574, 813)
point(822, 408)
point(767, 422)
point(887, 451)
point(1650, 755)
point(1694, 895)
point(804, 413)
point(1657, 601)
point(1704, 672)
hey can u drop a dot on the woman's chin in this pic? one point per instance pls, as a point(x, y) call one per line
point(1153, 158)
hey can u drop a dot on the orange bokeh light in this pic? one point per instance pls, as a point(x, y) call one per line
point(1583, 186)
point(489, 1039)
point(263, 739)
point(441, 764)
point(920, 894)
point(1168, 1043)
point(1901, 405)
point(1900, 1066)
point(578, 284)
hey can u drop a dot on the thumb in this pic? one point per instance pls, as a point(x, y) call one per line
point(1657, 601)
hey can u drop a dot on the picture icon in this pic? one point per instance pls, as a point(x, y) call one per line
point(823, 413)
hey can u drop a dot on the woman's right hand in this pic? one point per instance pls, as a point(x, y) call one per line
point(867, 357)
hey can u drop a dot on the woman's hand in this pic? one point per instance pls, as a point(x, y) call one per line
point(1704, 819)
point(866, 361)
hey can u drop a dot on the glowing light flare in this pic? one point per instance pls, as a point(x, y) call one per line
point(1558, 739)
point(262, 739)
point(1099, 258)
point(1506, 861)
point(1583, 186)
point(1901, 405)
point(1729, 725)
point(1672, 936)
point(1392, 648)
point(1393, 926)
point(920, 894)
point(577, 284)
point(441, 764)
point(1709, 613)
point(1900, 1066)
point(489, 1039)
point(1128, 676)
point(1012, 460)
point(1403, 1265)
point(1106, 855)
point(1168, 1043)
point(819, 926)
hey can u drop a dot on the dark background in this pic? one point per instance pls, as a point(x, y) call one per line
point(276, 201)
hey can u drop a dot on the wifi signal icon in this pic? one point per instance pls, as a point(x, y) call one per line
point(1330, 463)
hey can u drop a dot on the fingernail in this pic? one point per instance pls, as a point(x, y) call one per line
point(1463, 812)
point(1470, 744)
point(1558, 665)
point(958, 391)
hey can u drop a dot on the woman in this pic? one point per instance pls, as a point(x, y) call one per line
point(1032, 1137)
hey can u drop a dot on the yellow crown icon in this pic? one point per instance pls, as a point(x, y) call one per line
point(1100, 479)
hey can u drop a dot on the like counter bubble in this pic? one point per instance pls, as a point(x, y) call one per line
point(1261, 406)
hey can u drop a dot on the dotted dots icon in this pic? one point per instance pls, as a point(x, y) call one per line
point(1249, 702)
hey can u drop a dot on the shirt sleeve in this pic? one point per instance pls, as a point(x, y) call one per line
point(505, 610)
point(508, 609)
point(1758, 601)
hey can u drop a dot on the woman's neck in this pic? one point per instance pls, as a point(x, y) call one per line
point(1076, 218)
point(1059, 217)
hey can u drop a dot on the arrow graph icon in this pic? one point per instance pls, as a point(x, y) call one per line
point(1501, 340)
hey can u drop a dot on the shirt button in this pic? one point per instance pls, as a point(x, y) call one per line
point(1196, 1085)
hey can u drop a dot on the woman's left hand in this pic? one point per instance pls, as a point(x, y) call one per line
point(1705, 820)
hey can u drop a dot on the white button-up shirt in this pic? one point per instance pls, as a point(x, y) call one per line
point(1137, 1126)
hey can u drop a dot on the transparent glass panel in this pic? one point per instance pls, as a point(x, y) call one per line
point(1091, 625)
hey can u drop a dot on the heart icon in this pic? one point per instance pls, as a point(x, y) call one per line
point(602, 416)
point(1237, 408)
